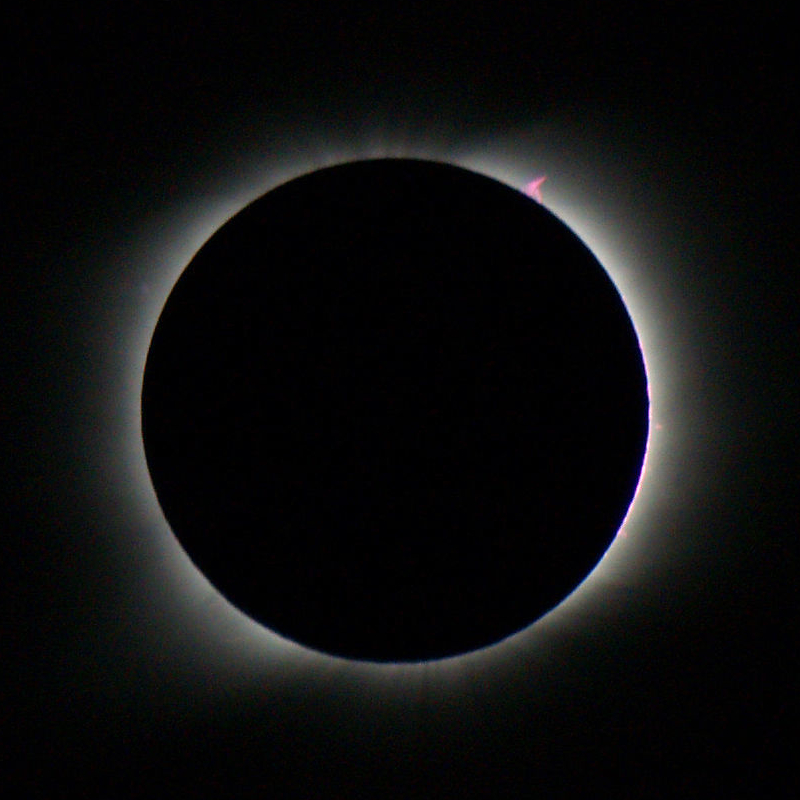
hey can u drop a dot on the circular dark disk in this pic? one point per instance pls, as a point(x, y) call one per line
point(394, 410)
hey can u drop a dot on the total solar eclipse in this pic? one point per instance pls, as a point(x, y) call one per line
point(394, 410)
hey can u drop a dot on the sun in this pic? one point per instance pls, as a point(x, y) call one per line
point(167, 243)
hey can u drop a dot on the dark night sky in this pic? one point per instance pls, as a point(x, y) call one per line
point(675, 675)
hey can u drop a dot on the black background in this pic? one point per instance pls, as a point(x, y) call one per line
point(678, 678)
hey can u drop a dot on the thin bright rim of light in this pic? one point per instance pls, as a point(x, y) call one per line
point(178, 237)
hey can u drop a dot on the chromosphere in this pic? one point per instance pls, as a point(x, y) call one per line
point(394, 410)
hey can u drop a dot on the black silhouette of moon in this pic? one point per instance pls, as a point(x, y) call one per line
point(394, 410)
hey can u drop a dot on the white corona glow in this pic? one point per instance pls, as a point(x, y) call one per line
point(166, 245)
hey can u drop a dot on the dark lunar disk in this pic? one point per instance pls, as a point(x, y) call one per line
point(394, 410)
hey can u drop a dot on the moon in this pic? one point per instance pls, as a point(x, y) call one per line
point(394, 410)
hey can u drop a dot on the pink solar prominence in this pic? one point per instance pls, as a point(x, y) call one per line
point(534, 188)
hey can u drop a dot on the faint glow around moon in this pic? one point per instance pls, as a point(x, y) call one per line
point(166, 245)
